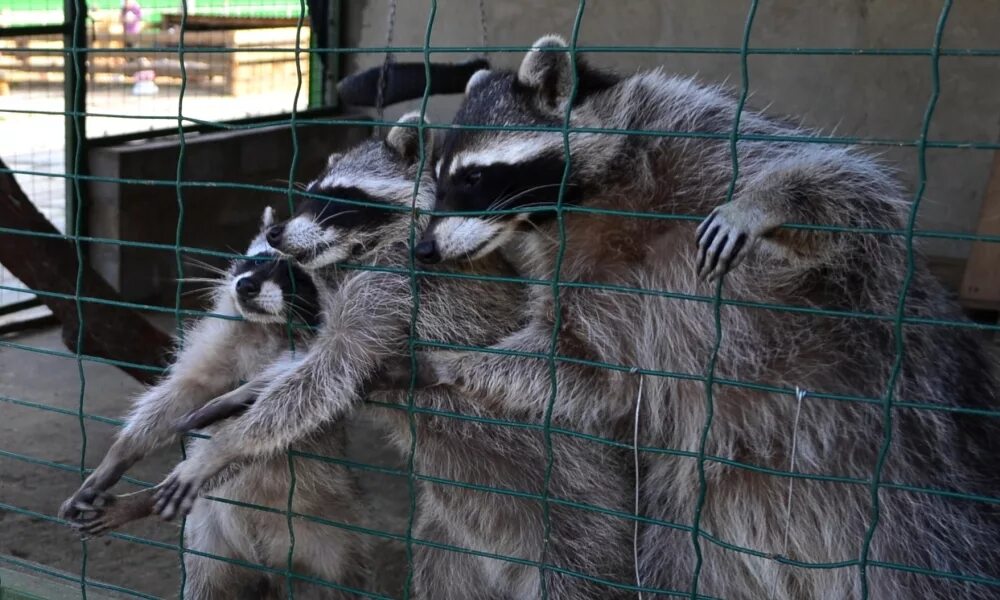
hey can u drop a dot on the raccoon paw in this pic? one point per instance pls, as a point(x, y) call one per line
point(85, 501)
point(176, 495)
point(95, 519)
point(397, 374)
point(724, 239)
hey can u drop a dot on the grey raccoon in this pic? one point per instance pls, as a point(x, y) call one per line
point(367, 330)
point(218, 353)
point(780, 182)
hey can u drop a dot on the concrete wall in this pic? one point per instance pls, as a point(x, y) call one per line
point(865, 96)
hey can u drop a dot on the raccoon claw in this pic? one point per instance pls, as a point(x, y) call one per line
point(85, 500)
point(115, 512)
point(722, 245)
point(88, 516)
point(97, 524)
point(93, 528)
point(176, 496)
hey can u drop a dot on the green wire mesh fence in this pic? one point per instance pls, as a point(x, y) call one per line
point(78, 177)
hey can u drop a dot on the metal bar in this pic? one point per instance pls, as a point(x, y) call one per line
point(316, 70)
point(263, 120)
point(333, 67)
point(26, 30)
point(75, 92)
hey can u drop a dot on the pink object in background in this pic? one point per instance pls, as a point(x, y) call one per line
point(131, 17)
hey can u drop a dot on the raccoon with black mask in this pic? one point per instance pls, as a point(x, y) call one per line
point(509, 161)
point(245, 331)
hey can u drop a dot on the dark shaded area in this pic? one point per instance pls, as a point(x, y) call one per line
point(407, 81)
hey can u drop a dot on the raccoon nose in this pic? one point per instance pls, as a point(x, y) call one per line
point(273, 235)
point(247, 288)
point(427, 252)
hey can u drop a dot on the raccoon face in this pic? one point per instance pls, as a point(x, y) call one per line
point(266, 289)
point(513, 176)
point(365, 196)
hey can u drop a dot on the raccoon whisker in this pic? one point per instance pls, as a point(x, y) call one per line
point(211, 280)
point(194, 262)
point(296, 184)
point(523, 193)
point(297, 313)
point(500, 199)
point(335, 215)
point(296, 297)
point(201, 290)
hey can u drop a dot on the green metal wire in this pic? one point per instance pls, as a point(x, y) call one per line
point(722, 543)
point(696, 532)
point(557, 430)
point(27, 566)
point(887, 414)
point(889, 403)
point(516, 49)
point(74, 170)
point(411, 409)
point(557, 302)
point(182, 142)
point(178, 548)
point(289, 325)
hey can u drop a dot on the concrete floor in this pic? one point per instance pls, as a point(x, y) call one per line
point(50, 436)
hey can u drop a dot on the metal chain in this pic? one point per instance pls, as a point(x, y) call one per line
point(383, 75)
point(483, 38)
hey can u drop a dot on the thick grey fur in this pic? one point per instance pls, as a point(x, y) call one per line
point(944, 367)
point(367, 328)
point(216, 356)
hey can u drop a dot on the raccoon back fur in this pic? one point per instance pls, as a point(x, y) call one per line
point(943, 368)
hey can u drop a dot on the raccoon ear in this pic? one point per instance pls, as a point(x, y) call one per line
point(548, 72)
point(404, 138)
point(332, 159)
point(267, 219)
point(477, 78)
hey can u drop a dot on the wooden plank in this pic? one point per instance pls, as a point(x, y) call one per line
point(196, 22)
point(981, 282)
point(109, 331)
point(279, 37)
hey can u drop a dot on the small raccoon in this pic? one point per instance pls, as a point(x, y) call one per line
point(599, 240)
point(218, 354)
point(367, 329)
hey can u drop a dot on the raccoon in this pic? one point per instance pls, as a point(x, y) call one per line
point(459, 438)
point(742, 491)
point(219, 352)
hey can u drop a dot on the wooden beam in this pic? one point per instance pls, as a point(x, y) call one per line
point(49, 264)
point(981, 281)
